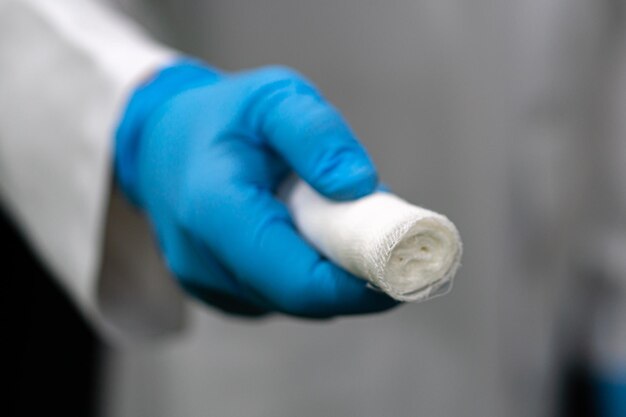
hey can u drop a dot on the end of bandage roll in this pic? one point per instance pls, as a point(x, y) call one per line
point(423, 261)
point(406, 251)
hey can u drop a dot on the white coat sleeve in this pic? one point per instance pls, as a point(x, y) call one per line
point(67, 68)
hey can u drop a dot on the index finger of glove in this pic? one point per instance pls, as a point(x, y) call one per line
point(310, 134)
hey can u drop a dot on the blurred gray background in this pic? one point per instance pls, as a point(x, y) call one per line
point(505, 116)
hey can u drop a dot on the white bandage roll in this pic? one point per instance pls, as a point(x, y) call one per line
point(406, 251)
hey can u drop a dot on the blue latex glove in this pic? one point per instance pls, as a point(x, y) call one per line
point(202, 154)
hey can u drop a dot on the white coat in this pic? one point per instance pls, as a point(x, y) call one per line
point(506, 116)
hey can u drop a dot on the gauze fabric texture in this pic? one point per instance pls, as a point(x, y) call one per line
point(410, 253)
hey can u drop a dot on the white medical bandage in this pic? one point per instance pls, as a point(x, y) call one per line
point(408, 252)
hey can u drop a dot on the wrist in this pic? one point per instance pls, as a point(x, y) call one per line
point(143, 102)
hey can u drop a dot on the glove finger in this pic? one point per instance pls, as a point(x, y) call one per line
point(201, 275)
point(311, 136)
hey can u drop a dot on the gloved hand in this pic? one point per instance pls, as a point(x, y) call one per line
point(202, 153)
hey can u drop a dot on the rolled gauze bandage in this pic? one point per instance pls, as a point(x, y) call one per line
point(408, 252)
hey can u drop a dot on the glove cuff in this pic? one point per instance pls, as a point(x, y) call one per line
point(165, 83)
